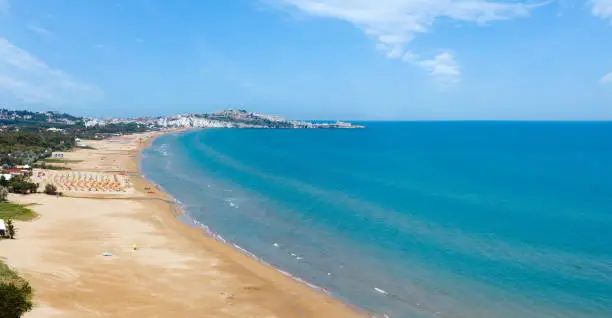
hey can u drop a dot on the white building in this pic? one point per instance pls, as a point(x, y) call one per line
point(54, 129)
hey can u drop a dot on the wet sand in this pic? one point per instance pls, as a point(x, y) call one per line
point(176, 271)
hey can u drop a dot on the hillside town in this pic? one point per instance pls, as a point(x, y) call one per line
point(56, 121)
point(218, 119)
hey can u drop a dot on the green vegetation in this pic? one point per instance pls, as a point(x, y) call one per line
point(50, 189)
point(15, 294)
point(27, 137)
point(45, 119)
point(101, 132)
point(9, 210)
point(10, 229)
point(85, 147)
point(23, 187)
point(58, 160)
point(19, 184)
point(7, 275)
point(18, 147)
point(3, 193)
point(43, 165)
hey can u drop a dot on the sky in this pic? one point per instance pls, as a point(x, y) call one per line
point(311, 59)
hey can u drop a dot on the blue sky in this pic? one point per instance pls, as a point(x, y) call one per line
point(311, 59)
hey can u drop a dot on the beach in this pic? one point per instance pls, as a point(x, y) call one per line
point(155, 265)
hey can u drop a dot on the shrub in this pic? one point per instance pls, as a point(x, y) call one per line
point(3, 181)
point(10, 228)
point(15, 299)
point(50, 189)
point(23, 187)
point(3, 193)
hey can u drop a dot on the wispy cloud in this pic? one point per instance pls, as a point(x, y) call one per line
point(606, 79)
point(443, 67)
point(601, 8)
point(99, 46)
point(392, 24)
point(40, 30)
point(31, 80)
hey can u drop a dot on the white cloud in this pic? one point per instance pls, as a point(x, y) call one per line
point(606, 79)
point(31, 80)
point(394, 23)
point(99, 46)
point(442, 67)
point(602, 8)
point(40, 30)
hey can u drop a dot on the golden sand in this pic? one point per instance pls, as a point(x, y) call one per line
point(175, 271)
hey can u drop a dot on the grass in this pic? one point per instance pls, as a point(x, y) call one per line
point(8, 275)
point(16, 211)
point(52, 167)
point(55, 160)
point(15, 291)
point(84, 147)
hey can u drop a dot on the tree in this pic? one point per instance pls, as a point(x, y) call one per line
point(3, 182)
point(50, 189)
point(15, 299)
point(10, 228)
point(23, 187)
point(3, 193)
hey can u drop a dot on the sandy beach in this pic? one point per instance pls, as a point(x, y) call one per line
point(175, 271)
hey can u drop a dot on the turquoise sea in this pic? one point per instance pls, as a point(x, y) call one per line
point(431, 219)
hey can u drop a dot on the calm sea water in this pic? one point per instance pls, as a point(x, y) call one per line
point(444, 219)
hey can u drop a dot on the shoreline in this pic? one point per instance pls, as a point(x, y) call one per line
point(71, 278)
point(207, 231)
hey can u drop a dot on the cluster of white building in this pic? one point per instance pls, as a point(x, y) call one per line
point(219, 119)
point(191, 121)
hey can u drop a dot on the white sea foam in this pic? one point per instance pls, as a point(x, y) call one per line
point(380, 291)
point(237, 247)
point(162, 150)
